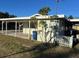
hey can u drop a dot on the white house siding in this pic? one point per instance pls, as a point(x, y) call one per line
point(40, 30)
point(26, 29)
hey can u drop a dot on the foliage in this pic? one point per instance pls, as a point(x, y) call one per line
point(44, 11)
point(55, 16)
point(70, 17)
point(6, 15)
point(43, 23)
point(33, 18)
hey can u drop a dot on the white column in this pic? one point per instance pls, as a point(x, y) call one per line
point(37, 28)
point(6, 27)
point(19, 27)
point(15, 28)
point(29, 30)
point(2, 26)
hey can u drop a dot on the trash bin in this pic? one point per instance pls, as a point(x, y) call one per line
point(34, 35)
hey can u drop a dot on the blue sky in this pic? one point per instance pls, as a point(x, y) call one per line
point(30, 7)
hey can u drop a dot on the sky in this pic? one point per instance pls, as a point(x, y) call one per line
point(30, 7)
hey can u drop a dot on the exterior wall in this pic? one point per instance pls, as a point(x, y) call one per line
point(76, 27)
point(40, 30)
point(41, 33)
point(26, 30)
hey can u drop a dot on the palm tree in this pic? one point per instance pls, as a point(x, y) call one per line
point(44, 11)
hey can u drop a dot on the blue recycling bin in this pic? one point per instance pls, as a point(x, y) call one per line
point(34, 35)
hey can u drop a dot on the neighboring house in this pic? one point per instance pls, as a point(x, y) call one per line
point(75, 26)
point(75, 23)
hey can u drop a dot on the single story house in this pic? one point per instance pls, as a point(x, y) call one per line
point(28, 24)
point(45, 28)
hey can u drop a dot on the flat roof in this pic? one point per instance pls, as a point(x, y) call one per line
point(24, 18)
point(38, 16)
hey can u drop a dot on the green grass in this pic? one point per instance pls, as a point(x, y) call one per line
point(23, 48)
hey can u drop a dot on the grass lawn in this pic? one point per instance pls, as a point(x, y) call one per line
point(23, 48)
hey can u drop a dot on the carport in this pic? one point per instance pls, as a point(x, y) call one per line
point(18, 23)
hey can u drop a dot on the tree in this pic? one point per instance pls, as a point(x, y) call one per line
point(6, 15)
point(44, 11)
point(70, 17)
point(11, 16)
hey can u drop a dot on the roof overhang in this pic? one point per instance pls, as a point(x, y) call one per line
point(73, 20)
point(37, 16)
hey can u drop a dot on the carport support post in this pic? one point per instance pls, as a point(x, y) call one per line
point(15, 28)
point(2, 26)
point(6, 27)
point(19, 27)
point(29, 31)
point(37, 29)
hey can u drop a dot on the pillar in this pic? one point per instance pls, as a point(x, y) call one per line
point(15, 28)
point(19, 27)
point(29, 31)
point(37, 29)
point(6, 27)
point(2, 26)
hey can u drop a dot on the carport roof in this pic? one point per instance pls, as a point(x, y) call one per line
point(24, 18)
point(38, 16)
